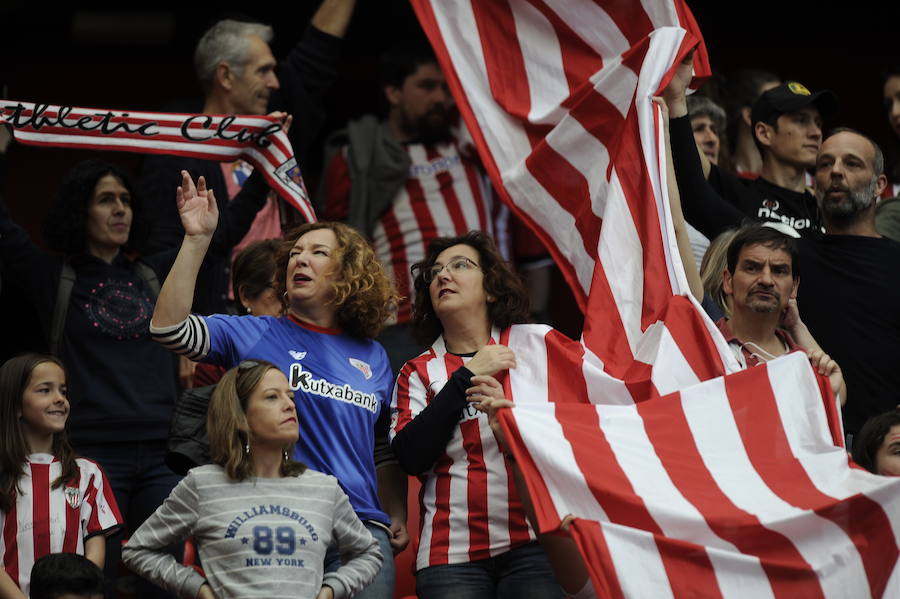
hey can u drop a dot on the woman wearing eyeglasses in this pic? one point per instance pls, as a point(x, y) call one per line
point(337, 297)
point(475, 542)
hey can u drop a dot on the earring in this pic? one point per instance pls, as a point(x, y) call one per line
point(249, 311)
point(247, 447)
point(285, 454)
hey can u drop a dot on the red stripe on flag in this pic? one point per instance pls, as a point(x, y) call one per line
point(569, 189)
point(613, 490)
point(588, 535)
point(565, 378)
point(579, 60)
point(630, 18)
point(638, 190)
point(503, 57)
point(606, 337)
point(767, 446)
point(788, 572)
point(693, 339)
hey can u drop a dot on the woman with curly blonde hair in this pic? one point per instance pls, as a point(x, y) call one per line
point(336, 297)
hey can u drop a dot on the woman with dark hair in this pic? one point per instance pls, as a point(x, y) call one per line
point(475, 541)
point(253, 285)
point(877, 447)
point(263, 521)
point(95, 300)
point(337, 297)
point(253, 279)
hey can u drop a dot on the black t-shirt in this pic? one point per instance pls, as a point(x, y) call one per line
point(764, 201)
point(849, 297)
point(849, 292)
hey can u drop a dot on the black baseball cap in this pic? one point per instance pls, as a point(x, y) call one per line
point(791, 96)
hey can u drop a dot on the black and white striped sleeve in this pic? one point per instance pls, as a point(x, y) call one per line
point(190, 337)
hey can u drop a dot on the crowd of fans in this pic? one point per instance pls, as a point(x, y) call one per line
point(315, 366)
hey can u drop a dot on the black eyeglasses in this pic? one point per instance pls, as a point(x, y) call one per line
point(456, 266)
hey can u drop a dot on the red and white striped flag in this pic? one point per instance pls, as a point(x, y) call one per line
point(257, 139)
point(736, 487)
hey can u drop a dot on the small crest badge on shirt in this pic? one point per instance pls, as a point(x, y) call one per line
point(362, 367)
point(73, 496)
point(297, 355)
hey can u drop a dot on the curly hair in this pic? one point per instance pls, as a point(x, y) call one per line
point(66, 224)
point(363, 292)
point(15, 375)
point(226, 421)
point(510, 305)
point(871, 437)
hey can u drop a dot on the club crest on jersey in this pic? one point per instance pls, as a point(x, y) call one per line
point(73, 497)
point(297, 355)
point(362, 367)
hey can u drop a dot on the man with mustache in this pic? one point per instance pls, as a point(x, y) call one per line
point(758, 281)
point(407, 179)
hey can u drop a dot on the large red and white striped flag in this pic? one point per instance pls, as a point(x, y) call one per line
point(257, 139)
point(733, 487)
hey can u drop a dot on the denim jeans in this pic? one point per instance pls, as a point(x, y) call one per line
point(383, 585)
point(520, 573)
point(141, 481)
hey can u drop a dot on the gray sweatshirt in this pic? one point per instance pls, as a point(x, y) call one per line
point(262, 537)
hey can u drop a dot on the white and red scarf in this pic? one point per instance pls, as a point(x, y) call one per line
point(257, 139)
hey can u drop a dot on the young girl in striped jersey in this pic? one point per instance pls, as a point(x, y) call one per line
point(51, 501)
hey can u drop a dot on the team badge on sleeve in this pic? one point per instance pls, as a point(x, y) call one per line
point(362, 367)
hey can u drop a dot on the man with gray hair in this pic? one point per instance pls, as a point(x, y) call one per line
point(239, 75)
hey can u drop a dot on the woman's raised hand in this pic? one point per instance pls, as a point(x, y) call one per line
point(196, 206)
point(492, 359)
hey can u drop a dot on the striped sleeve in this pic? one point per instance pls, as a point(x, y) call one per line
point(361, 556)
point(171, 523)
point(190, 337)
point(99, 512)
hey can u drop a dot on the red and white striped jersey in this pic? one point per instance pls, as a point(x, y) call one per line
point(470, 509)
point(445, 194)
point(46, 520)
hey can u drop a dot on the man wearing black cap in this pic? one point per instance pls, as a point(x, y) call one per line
point(787, 127)
point(851, 285)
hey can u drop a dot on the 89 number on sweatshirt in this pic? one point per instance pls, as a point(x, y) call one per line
point(282, 541)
